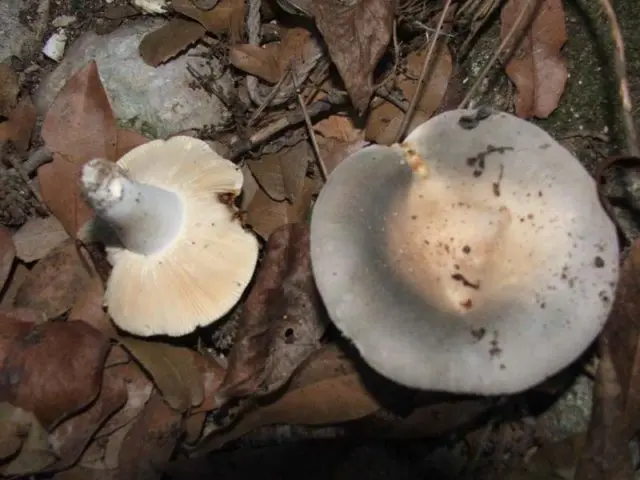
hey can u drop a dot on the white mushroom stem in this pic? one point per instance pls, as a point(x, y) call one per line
point(145, 218)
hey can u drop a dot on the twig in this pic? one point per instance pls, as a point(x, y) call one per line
point(425, 67)
point(41, 208)
point(312, 135)
point(239, 147)
point(267, 101)
point(585, 134)
point(496, 54)
point(621, 72)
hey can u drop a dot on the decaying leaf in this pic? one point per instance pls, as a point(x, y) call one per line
point(170, 39)
point(270, 62)
point(226, 17)
point(79, 126)
point(338, 127)
point(9, 89)
point(623, 331)
point(537, 68)
point(151, 441)
point(28, 315)
point(265, 215)
point(16, 278)
point(24, 445)
point(174, 371)
point(71, 437)
point(19, 126)
point(357, 34)
point(325, 389)
point(606, 452)
point(52, 369)
point(7, 255)
point(335, 151)
point(56, 281)
point(385, 119)
point(281, 175)
point(88, 307)
point(281, 322)
point(39, 236)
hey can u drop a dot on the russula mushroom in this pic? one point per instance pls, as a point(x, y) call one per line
point(183, 258)
point(474, 257)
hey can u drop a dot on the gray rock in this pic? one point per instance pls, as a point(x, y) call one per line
point(570, 414)
point(156, 101)
point(17, 39)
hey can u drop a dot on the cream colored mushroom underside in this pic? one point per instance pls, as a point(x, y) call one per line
point(203, 274)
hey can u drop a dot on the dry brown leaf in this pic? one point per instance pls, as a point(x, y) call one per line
point(7, 255)
point(537, 67)
point(128, 140)
point(53, 369)
point(56, 281)
point(249, 187)
point(71, 437)
point(281, 175)
point(169, 40)
point(334, 151)
point(174, 371)
point(23, 441)
point(281, 322)
point(326, 389)
point(81, 473)
point(151, 441)
point(79, 126)
point(38, 237)
point(270, 62)
point(16, 278)
point(266, 215)
point(606, 452)
point(623, 331)
point(9, 89)
point(339, 127)
point(27, 315)
point(227, 17)
point(88, 307)
point(385, 119)
point(357, 34)
point(19, 126)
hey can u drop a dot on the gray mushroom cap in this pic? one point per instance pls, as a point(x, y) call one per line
point(473, 258)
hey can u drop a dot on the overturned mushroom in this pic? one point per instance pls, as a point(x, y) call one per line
point(473, 258)
point(184, 259)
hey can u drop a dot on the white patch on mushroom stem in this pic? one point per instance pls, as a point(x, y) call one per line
point(146, 218)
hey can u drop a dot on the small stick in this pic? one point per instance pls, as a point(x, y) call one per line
point(425, 67)
point(496, 54)
point(312, 135)
point(621, 72)
point(267, 101)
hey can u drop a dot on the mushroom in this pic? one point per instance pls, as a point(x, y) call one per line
point(474, 258)
point(183, 258)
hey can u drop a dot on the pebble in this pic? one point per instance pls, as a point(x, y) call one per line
point(16, 39)
point(155, 101)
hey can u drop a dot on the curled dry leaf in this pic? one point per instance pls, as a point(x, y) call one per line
point(151, 441)
point(265, 215)
point(170, 39)
point(38, 237)
point(53, 369)
point(281, 322)
point(79, 126)
point(297, 47)
point(227, 16)
point(357, 34)
point(537, 67)
point(281, 175)
point(19, 126)
point(56, 282)
point(71, 437)
point(385, 119)
point(24, 446)
point(7, 255)
point(9, 89)
point(174, 371)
